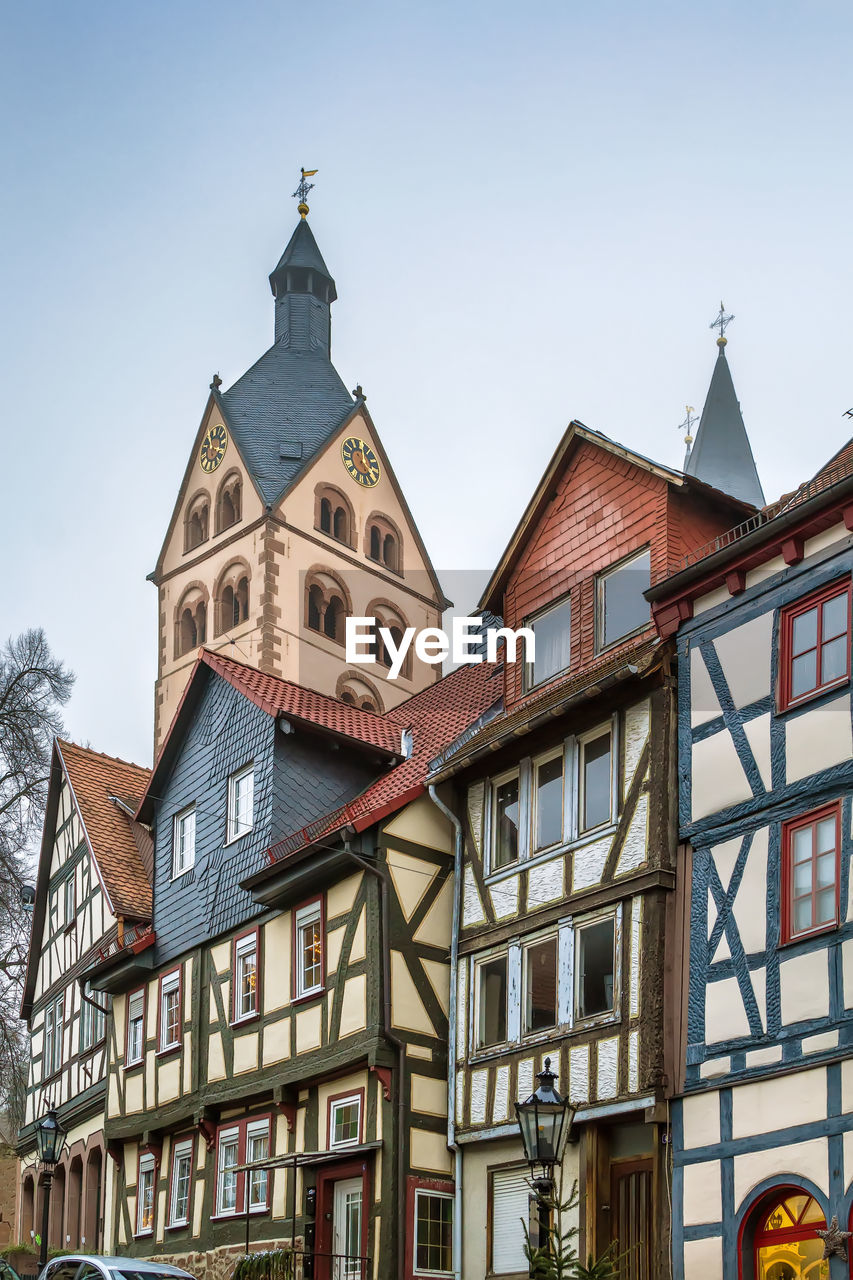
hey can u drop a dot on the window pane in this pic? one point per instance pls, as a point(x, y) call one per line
point(803, 837)
point(492, 1001)
point(247, 969)
point(228, 1175)
point(623, 605)
point(804, 631)
point(596, 782)
point(595, 968)
point(311, 955)
point(826, 870)
point(549, 803)
point(540, 961)
point(434, 1233)
point(345, 1122)
point(833, 660)
point(802, 914)
point(835, 613)
point(505, 838)
point(802, 878)
point(825, 906)
point(803, 674)
point(258, 1149)
point(826, 835)
point(553, 642)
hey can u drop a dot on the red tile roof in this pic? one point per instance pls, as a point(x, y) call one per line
point(436, 718)
point(119, 846)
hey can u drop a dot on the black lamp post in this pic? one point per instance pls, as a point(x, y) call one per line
point(544, 1120)
point(50, 1137)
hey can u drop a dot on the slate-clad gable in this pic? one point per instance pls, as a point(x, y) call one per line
point(312, 778)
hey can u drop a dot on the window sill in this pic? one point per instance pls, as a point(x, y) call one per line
point(241, 836)
point(795, 704)
point(614, 644)
point(136, 1065)
point(246, 1018)
point(808, 935)
point(239, 1215)
point(144, 1235)
point(169, 1050)
point(179, 875)
point(309, 995)
point(554, 851)
point(177, 1226)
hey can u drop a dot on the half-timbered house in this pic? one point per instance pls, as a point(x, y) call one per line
point(762, 1123)
point(93, 890)
point(277, 1061)
point(567, 814)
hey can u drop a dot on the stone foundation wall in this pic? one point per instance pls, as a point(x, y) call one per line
point(8, 1193)
point(219, 1264)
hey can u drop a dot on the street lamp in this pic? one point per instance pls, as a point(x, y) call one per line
point(544, 1120)
point(50, 1136)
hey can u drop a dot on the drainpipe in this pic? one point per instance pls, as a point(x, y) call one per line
point(451, 1032)
point(381, 875)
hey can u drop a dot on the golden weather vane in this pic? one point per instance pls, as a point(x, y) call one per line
point(721, 321)
point(302, 190)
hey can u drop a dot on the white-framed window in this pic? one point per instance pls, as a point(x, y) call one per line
point(552, 632)
point(92, 1020)
point(170, 1010)
point(540, 982)
point(258, 1148)
point(621, 607)
point(70, 891)
point(345, 1121)
point(54, 1023)
point(53, 909)
point(505, 820)
point(183, 841)
point(309, 949)
point(433, 1233)
point(596, 967)
point(135, 1028)
point(509, 1196)
point(246, 977)
point(595, 779)
point(241, 791)
point(490, 999)
point(226, 1170)
point(547, 816)
point(182, 1168)
point(145, 1196)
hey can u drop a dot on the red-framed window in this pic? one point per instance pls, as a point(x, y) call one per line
point(815, 644)
point(238, 1143)
point(429, 1218)
point(309, 949)
point(782, 1228)
point(811, 865)
point(134, 1050)
point(170, 1000)
point(245, 976)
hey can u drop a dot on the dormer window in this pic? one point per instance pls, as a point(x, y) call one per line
point(621, 607)
point(552, 648)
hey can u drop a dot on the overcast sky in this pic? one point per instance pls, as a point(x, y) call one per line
point(531, 212)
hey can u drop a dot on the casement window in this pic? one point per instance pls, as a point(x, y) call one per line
point(595, 780)
point(170, 1011)
point(552, 644)
point(183, 841)
point(241, 791)
point(308, 946)
point(135, 1028)
point(540, 982)
point(433, 1233)
point(621, 607)
point(70, 893)
point(811, 848)
point(145, 1196)
point(245, 977)
point(53, 905)
point(491, 1000)
point(548, 801)
point(181, 1183)
point(92, 1020)
point(595, 967)
point(505, 821)
point(345, 1121)
point(54, 1024)
point(815, 645)
point(245, 1142)
point(509, 1208)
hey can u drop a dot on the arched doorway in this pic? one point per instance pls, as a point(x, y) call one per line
point(92, 1201)
point(781, 1240)
point(75, 1202)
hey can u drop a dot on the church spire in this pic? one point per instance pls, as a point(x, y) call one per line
point(721, 455)
point(303, 287)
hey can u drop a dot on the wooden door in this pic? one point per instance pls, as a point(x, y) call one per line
point(632, 1216)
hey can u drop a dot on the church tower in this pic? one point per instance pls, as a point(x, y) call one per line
point(289, 518)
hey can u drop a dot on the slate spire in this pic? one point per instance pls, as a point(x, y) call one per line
point(304, 291)
point(722, 456)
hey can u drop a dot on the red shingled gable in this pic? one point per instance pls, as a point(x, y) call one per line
point(119, 845)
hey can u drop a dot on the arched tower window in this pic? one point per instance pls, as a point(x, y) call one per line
point(356, 690)
point(327, 603)
point(229, 501)
point(333, 514)
point(316, 605)
point(197, 521)
point(231, 598)
point(333, 620)
point(382, 542)
point(387, 615)
point(780, 1241)
point(191, 620)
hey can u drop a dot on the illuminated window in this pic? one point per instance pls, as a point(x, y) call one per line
point(309, 949)
point(245, 977)
point(786, 1244)
point(145, 1196)
point(345, 1121)
point(170, 1011)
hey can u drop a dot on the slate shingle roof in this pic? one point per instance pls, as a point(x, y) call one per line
point(119, 846)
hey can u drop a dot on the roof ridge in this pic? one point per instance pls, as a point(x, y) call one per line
point(293, 684)
point(65, 743)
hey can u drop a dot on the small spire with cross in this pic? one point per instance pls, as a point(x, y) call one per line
point(687, 427)
point(721, 321)
point(301, 192)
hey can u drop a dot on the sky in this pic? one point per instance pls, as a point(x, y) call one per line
point(531, 212)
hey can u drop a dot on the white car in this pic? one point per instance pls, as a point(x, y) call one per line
point(73, 1266)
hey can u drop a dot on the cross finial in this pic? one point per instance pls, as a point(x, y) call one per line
point(721, 322)
point(302, 190)
point(687, 425)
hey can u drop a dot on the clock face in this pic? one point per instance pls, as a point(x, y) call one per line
point(360, 461)
point(213, 447)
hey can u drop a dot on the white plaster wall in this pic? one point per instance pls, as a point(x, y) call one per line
point(636, 732)
point(704, 1258)
point(818, 739)
point(725, 1016)
point(752, 922)
point(744, 654)
point(718, 779)
point(704, 704)
point(804, 986)
point(758, 736)
point(802, 1160)
point(588, 863)
point(608, 1068)
point(545, 882)
point(763, 1106)
point(701, 1119)
point(702, 1193)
